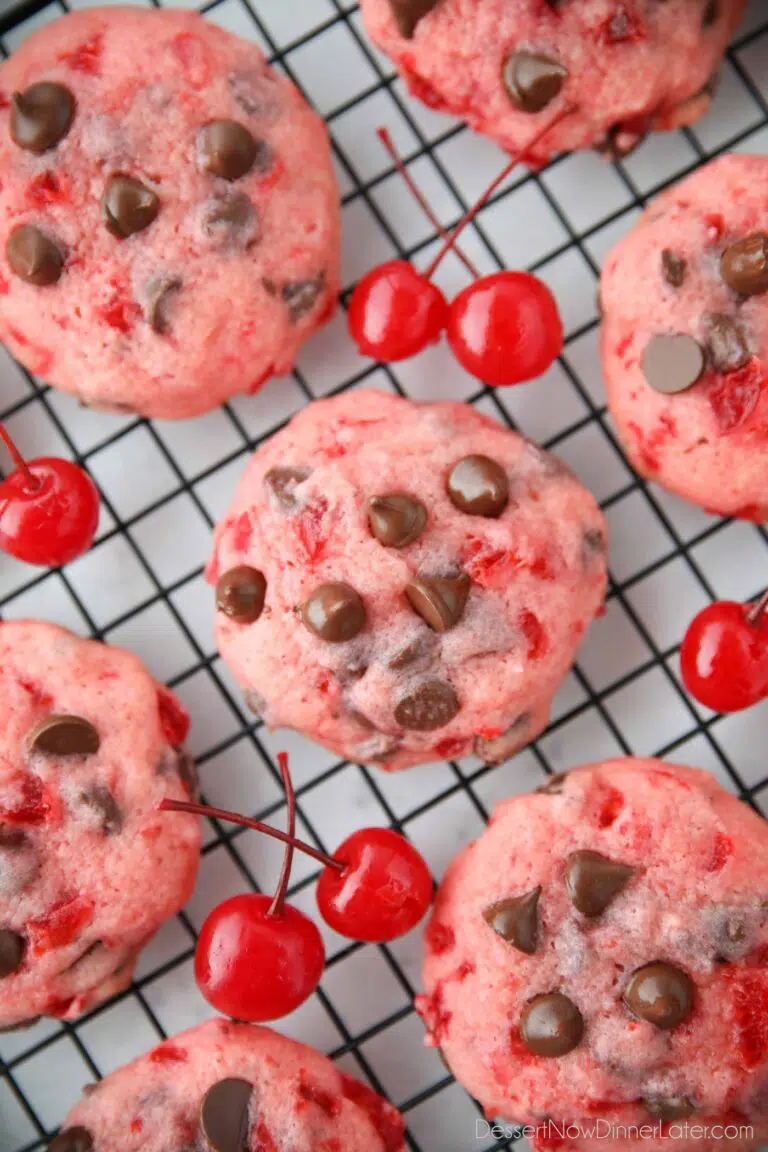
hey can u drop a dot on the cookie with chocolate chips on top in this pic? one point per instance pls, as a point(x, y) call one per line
point(169, 217)
point(89, 869)
point(685, 338)
point(227, 1087)
point(623, 67)
point(405, 583)
point(600, 951)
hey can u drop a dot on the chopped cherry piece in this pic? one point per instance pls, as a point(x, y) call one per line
point(724, 655)
point(61, 924)
point(49, 509)
point(174, 720)
point(395, 312)
point(31, 803)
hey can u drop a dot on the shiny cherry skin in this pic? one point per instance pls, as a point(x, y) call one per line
point(52, 518)
point(383, 892)
point(505, 328)
point(256, 966)
point(395, 312)
point(724, 657)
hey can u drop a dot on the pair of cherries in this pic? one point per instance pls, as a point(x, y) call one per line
point(503, 329)
point(49, 509)
point(258, 958)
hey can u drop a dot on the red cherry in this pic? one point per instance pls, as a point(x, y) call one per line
point(256, 966)
point(395, 312)
point(49, 509)
point(724, 655)
point(505, 328)
point(383, 890)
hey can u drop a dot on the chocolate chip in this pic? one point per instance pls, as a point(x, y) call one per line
point(497, 749)
point(224, 1116)
point(158, 294)
point(334, 612)
point(555, 785)
point(479, 486)
point(76, 1139)
point(300, 296)
point(429, 705)
point(551, 1025)
point(41, 116)
point(726, 342)
point(255, 703)
point(12, 839)
point(231, 219)
point(128, 206)
point(59, 735)
point(408, 13)
point(12, 948)
point(711, 14)
point(533, 80)
point(517, 920)
point(673, 268)
point(661, 994)
point(593, 545)
point(33, 256)
point(396, 519)
point(187, 770)
point(744, 265)
point(673, 362)
point(20, 1025)
point(101, 801)
point(240, 594)
point(439, 600)
point(409, 655)
point(593, 881)
point(282, 483)
point(668, 1108)
point(228, 149)
point(355, 668)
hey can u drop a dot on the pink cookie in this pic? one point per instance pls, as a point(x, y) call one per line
point(227, 1087)
point(685, 338)
point(178, 207)
point(404, 582)
point(507, 67)
point(89, 870)
point(600, 952)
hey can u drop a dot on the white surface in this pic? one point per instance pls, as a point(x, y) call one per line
point(142, 586)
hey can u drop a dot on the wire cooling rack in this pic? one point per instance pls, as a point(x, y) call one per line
point(164, 486)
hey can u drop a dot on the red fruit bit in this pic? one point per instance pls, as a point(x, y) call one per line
point(136, 1125)
point(86, 57)
point(310, 1093)
point(264, 1139)
point(452, 747)
point(749, 1008)
point(59, 1006)
point(332, 1145)
point(46, 189)
point(466, 968)
point(750, 512)
point(257, 384)
point(487, 566)
point(530, 626)
point(311, 530)
point(61, 924)
point(543, 568)
point(610, 808)
point(489, 733)
point(31, 805)
point(174, 720)
point(435, 1016)
point(242, 531)
point(624, 346)
point(120, 314)
point(39, 360)
point(420, 88)
point(169, 1054)
point(734, 397)
point(387, 1122)
point(38, 698)
point(715, 226)
point(193, 57)
point(440, 938)
point(5, 287)
point(721, 853)
point(4, 101)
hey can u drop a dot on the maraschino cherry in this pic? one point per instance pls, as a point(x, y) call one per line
point(503, 328)
point(49, 509)
point(724, 655)
point(374, 888)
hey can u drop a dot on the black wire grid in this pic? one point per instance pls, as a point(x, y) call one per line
point(624, 697)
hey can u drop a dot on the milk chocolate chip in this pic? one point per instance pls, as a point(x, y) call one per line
point(661, 994)
point(224, 1116)
point(158, 297)
point(427, 706)
point(593, 881)
point(300, 296)
point(668, 1108)
point(744, 265)
point(76, 1139)
point(128, 206)
point(517, 920)
point(551, 1025)
point(240, 594)
point(282, 483)
point(231, 219)
point(408, 13)
point(479, 486)
point(673, 362)
point(101, 801)
point(11, 952)
point(396, 519)
point(673, 268)
point(533, 80)
point(227, 149)
point(439, 600)
point(334, 612)
point(41, 116)
point(33, 256)
point(64, 736)
point(726, 341)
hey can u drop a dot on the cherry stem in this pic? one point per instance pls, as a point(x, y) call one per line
point(481, 203)
point(19, 461)
point(421, 200)
point(277, 906)
point(757, 610)
point(256, 825)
